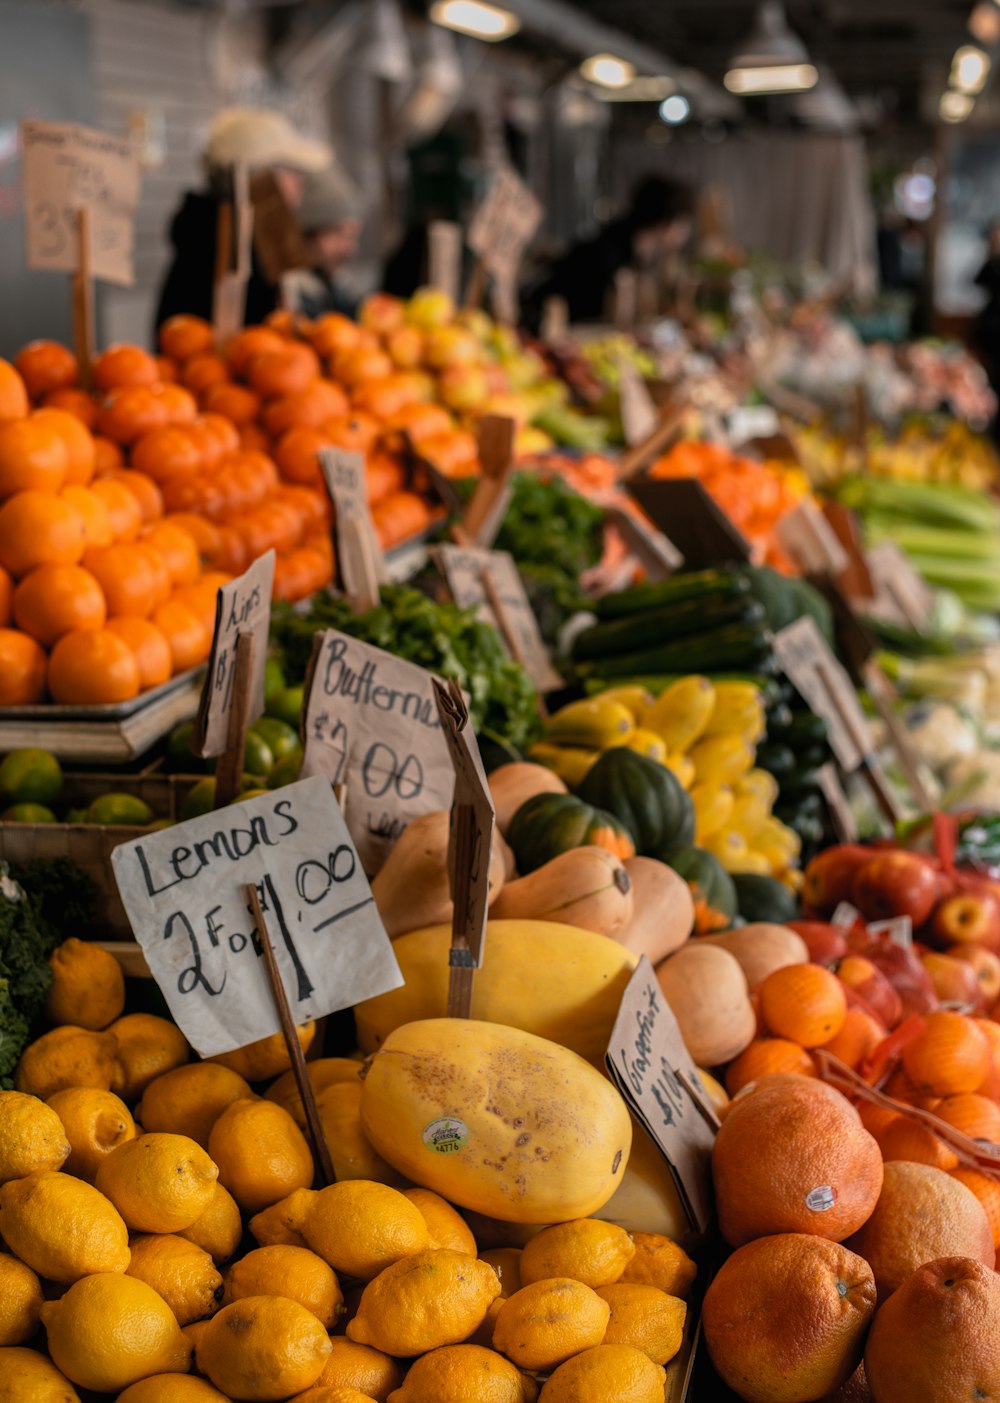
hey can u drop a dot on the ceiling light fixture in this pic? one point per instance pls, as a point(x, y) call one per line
point(649, 89)
point(607, 71)
point(955, 107)
point(475, 18)
point(984, 24)
point(969, 69)
point(773, 59)
point(675, 110)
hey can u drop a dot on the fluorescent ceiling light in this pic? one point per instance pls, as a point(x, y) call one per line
point(778, 78)
point(675, 110)
point(608, 71)
point(969, 69)
point(651, 89)
point(955, 107)
point(475, 17)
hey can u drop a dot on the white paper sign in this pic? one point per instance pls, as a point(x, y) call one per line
point(372, 724)
point(807, 661)
point(805, 534)
point(344, 475)
point(242, 606)
point(68, 168)
point(184, 891)
point(902, 595)
point(504, 223)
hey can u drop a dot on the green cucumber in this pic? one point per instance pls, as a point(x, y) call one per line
point(699, 584)
point(741, 646)
point(672, 621)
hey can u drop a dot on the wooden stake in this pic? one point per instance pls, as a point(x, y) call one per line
point(639, 457)
point(872, 770)
point(83, 298)
point(229, 769)
point(507, 631)
point(314, 1127)
point(477, 286)
point(881, 692)
point(496, 459)
point(461, 964)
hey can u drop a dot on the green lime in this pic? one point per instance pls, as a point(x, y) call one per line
point(75, 816)
point(120, 809)
point(274, 678)
point(28, 813)
point(200, 799)
point(159, 823)
point(30, 776)
point(258, 757)
point(282, 738)
point(286, 705)
point(180, 758)
point(250, 794)
point(286, 771)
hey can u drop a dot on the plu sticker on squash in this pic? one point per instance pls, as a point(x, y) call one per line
point(550, 824)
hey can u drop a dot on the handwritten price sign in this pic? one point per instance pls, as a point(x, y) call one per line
point(242, 606)
point(184, 890)
point(68, 168)
point(504, 223)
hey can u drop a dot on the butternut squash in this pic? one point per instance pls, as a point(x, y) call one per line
point(586, 887)
point(511, 785)
point(411, 889)
point(557, 981)
point(761, 948)
point(662, 910)
point(707, 990)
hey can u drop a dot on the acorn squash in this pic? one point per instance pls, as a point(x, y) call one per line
point(645, 796)
point(711, 886)
point(549, 824)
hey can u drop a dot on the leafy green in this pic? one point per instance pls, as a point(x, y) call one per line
point(442, 638)
point(547, 523)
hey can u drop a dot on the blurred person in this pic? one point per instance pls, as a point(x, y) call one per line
point(330, 222)
point(986, 332)
point(277, 158)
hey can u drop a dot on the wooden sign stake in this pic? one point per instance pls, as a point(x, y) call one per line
point(83, 298)
point(634, 459)
point(461, 965)
point(496, 458)
point(229, 769)
point(881, 692)
point(314, 1126)
point(510, 638)
point(872, 770)
point(476, 290)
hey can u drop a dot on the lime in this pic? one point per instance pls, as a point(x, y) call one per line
point(200, 799)
point(120, 810)
point(286, 705)
point(258, 757)
point(286, 771)
point(282, 738)
point(75, 816)
point(274, 678)
point(30, 776)
point(180, 758)
point(28, 813)
point(159, 823)
point(250, 794)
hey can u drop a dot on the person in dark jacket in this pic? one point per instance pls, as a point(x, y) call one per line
point(658, 221)
point(329, 218)
point(986, 333)
point(268, 144)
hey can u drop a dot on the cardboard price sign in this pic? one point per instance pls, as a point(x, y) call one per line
point(185, 892)
point(488, 580)
point(68, 168)
point(372, 724)
point(684, 511)
point(359, 554)
point(651, 1067)
point(807, 661)
point(504, 223)
point(659, 556)
point(243, 606)
point(638, 412)
point(805, 534)
point(901, 593)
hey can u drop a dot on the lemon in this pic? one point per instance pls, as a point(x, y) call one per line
point(200, 799)
point(445, 1224)
point(359, 1366)
point(353, 1154)
point(586, 1249)
point(323, 1073)
point(158, 1183)
point(265, 1058)
point(31, 1136)
point(361, 1227)
point(659, 1261)
point(172, 1388)
point(183, 1274)
point(28, 813)
point(88, 986)
point(28, 1377)
point(424, 1301)
point(459, 1373)
point(294, 1272)
point(20, 1301)
point(263, 1347)
point(282, 1223)
point(68, 1056)
point(546, 1323)
point(322, 1394)
point(646, 1317)
point(285, 771)
point(261, 1153)
point(605, 1372)
point(109, 1330)
point(120, 810)
point(30, 776)
point(194, 1333)
point(254, 792)
point(219, 1229)
point(62, 1227)
point(148, 1046)
point(190, 1099)
point(95, 1122)
point(506, 1262)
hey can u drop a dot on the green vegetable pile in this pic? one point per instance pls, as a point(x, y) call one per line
point(442, 638)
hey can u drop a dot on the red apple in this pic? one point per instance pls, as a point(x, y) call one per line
point(827, 879)
point(968, 918)
point(865, 978)
point(954, 981)
point(826, 943)
point(895, 884)
point(987, 967)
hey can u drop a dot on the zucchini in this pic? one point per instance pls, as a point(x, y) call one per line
point(671, 621)
point(779, 720)
point(777, 760)
point(738, 646)
point(699, 584)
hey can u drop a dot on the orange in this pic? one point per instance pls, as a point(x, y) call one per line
point(200, 599)
point(972, 1115)
point(6, 597)
point(180, 404)
point(32, 454)
point(859, 1035)
point(149, 648)
point(126, 574)
point(804, 1003)
point(230, 553)
point(81, 456)
point(251, 341)
point(453, 453)
point(765, 1056)
point(420, 420)
point(333, 332)
point(22, 669)
point(54, 599)
point(301, 572)
point(252, 436)
point(166, 370)
point(204, 533)
point(159, 573)
point(785, 1317)
point(185, 633)
point(905, 1139)
point(45, 366)
point(235, 402)
point(938, 1339)
point(285, 372)
point(37, 528)
point(177, 549)
point(130, 412)
point(313, 505)
point(201, 372)
point(921, 1213)
point(122, 507)
point(107, 455)
point(144, 490)
point(296, 457)
point(183, 336)
point(92, 667)
point(309, 408)
point(384, 398)
point(358, 432)
point(167, 452)
point(793, 1156)
point(13, 395)
point(124, 365)
point(76, 402)
point(356, 366)
point(950, 1055)
point(218, 430)
point(987, 1190)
